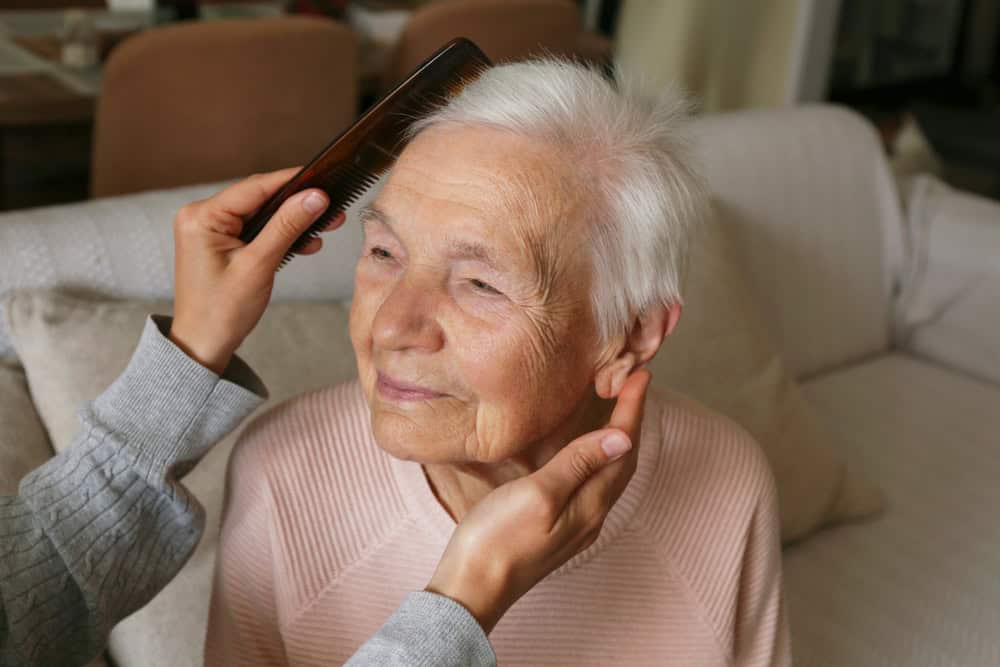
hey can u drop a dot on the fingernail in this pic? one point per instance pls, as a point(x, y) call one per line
point(615, 445)
point(314, 203)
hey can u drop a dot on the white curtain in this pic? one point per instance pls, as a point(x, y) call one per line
point(729, 54)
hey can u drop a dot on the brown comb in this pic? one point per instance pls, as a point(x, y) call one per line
point(351, 164)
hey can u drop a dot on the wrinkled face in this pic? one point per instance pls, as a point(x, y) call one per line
point(471, 318)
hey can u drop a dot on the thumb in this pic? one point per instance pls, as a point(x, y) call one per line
point(288, 223)
point(579, 460)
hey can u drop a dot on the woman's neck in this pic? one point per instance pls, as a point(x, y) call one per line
point(458, 487)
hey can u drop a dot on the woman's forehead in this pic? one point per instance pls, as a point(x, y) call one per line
point(490, 176)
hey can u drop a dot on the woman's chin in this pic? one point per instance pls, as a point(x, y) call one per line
point(401, 441)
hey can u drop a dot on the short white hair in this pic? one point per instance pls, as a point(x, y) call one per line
point(634, 151)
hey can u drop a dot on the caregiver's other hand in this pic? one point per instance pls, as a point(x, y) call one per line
point(525, 529)
point(222, 285)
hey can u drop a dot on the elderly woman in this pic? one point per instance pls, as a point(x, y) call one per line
point(523, 259)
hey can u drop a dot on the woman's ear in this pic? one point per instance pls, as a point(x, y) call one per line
point(638, 347)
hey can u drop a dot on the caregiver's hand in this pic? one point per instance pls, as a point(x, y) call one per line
point(527, 528)
point(222, 285)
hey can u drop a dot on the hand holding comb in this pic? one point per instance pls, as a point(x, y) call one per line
point(353, 162)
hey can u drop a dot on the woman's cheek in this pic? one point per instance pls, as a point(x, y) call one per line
point(369, 273)
point(514, 404)
point(359, 328)
point(373, 280)
point(368, 289)
point(500, 361)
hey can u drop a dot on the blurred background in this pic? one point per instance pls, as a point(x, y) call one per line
point(104, 97)
point(876, 301)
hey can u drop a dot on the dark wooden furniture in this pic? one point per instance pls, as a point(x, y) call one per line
point(45, 130)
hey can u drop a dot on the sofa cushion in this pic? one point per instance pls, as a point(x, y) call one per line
point(123, 247)
point(817, 225)
point(74, 348)
point(920, 585)
point(720, 354)
point(950, 307)
point(23, 442)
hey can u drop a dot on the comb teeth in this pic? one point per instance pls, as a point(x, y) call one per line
point(345, 184)
point(311, 233)
point(351, 164)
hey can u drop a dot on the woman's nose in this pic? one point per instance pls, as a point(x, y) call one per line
point(406, 320)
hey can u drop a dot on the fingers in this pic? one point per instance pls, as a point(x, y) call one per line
point(312, 246)
point(335, 222)
point(248, 195)
point(290, 221)
point(627, 414)
point(577, 462)
point(595, 460)
point(599, 493)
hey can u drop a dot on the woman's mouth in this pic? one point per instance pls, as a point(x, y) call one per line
point(397, 390)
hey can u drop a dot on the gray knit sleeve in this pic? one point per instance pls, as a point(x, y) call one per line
point(427, 630)
point(98, 530)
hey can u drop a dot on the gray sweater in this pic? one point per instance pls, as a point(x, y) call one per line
point(96, 532)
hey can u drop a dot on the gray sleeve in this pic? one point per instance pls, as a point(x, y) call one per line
point(427, 630)
point(98, 530)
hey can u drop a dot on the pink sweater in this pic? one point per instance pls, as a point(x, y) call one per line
point(325, 534)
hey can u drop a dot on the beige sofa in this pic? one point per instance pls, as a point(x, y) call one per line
point(885, 311)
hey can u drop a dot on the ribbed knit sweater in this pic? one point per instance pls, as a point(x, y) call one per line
point(325, 534)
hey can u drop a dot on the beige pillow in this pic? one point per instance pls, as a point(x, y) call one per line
point(720, 355)
point(73, 348)
point(23, 443)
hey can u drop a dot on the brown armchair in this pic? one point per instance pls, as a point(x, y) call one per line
point(504, 29)
point(200, 102)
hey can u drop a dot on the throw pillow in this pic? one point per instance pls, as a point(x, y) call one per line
point(23, 442)
point(72, 348)
point(720, 355)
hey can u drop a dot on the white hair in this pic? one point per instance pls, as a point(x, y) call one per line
point(633, 153)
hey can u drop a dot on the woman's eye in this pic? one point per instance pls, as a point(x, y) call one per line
point(483, 286)
point(380, 253)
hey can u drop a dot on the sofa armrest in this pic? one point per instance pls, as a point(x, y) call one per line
point(949, 307)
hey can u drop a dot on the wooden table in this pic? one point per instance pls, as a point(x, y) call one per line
point(45, 127)
point(38, 98)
